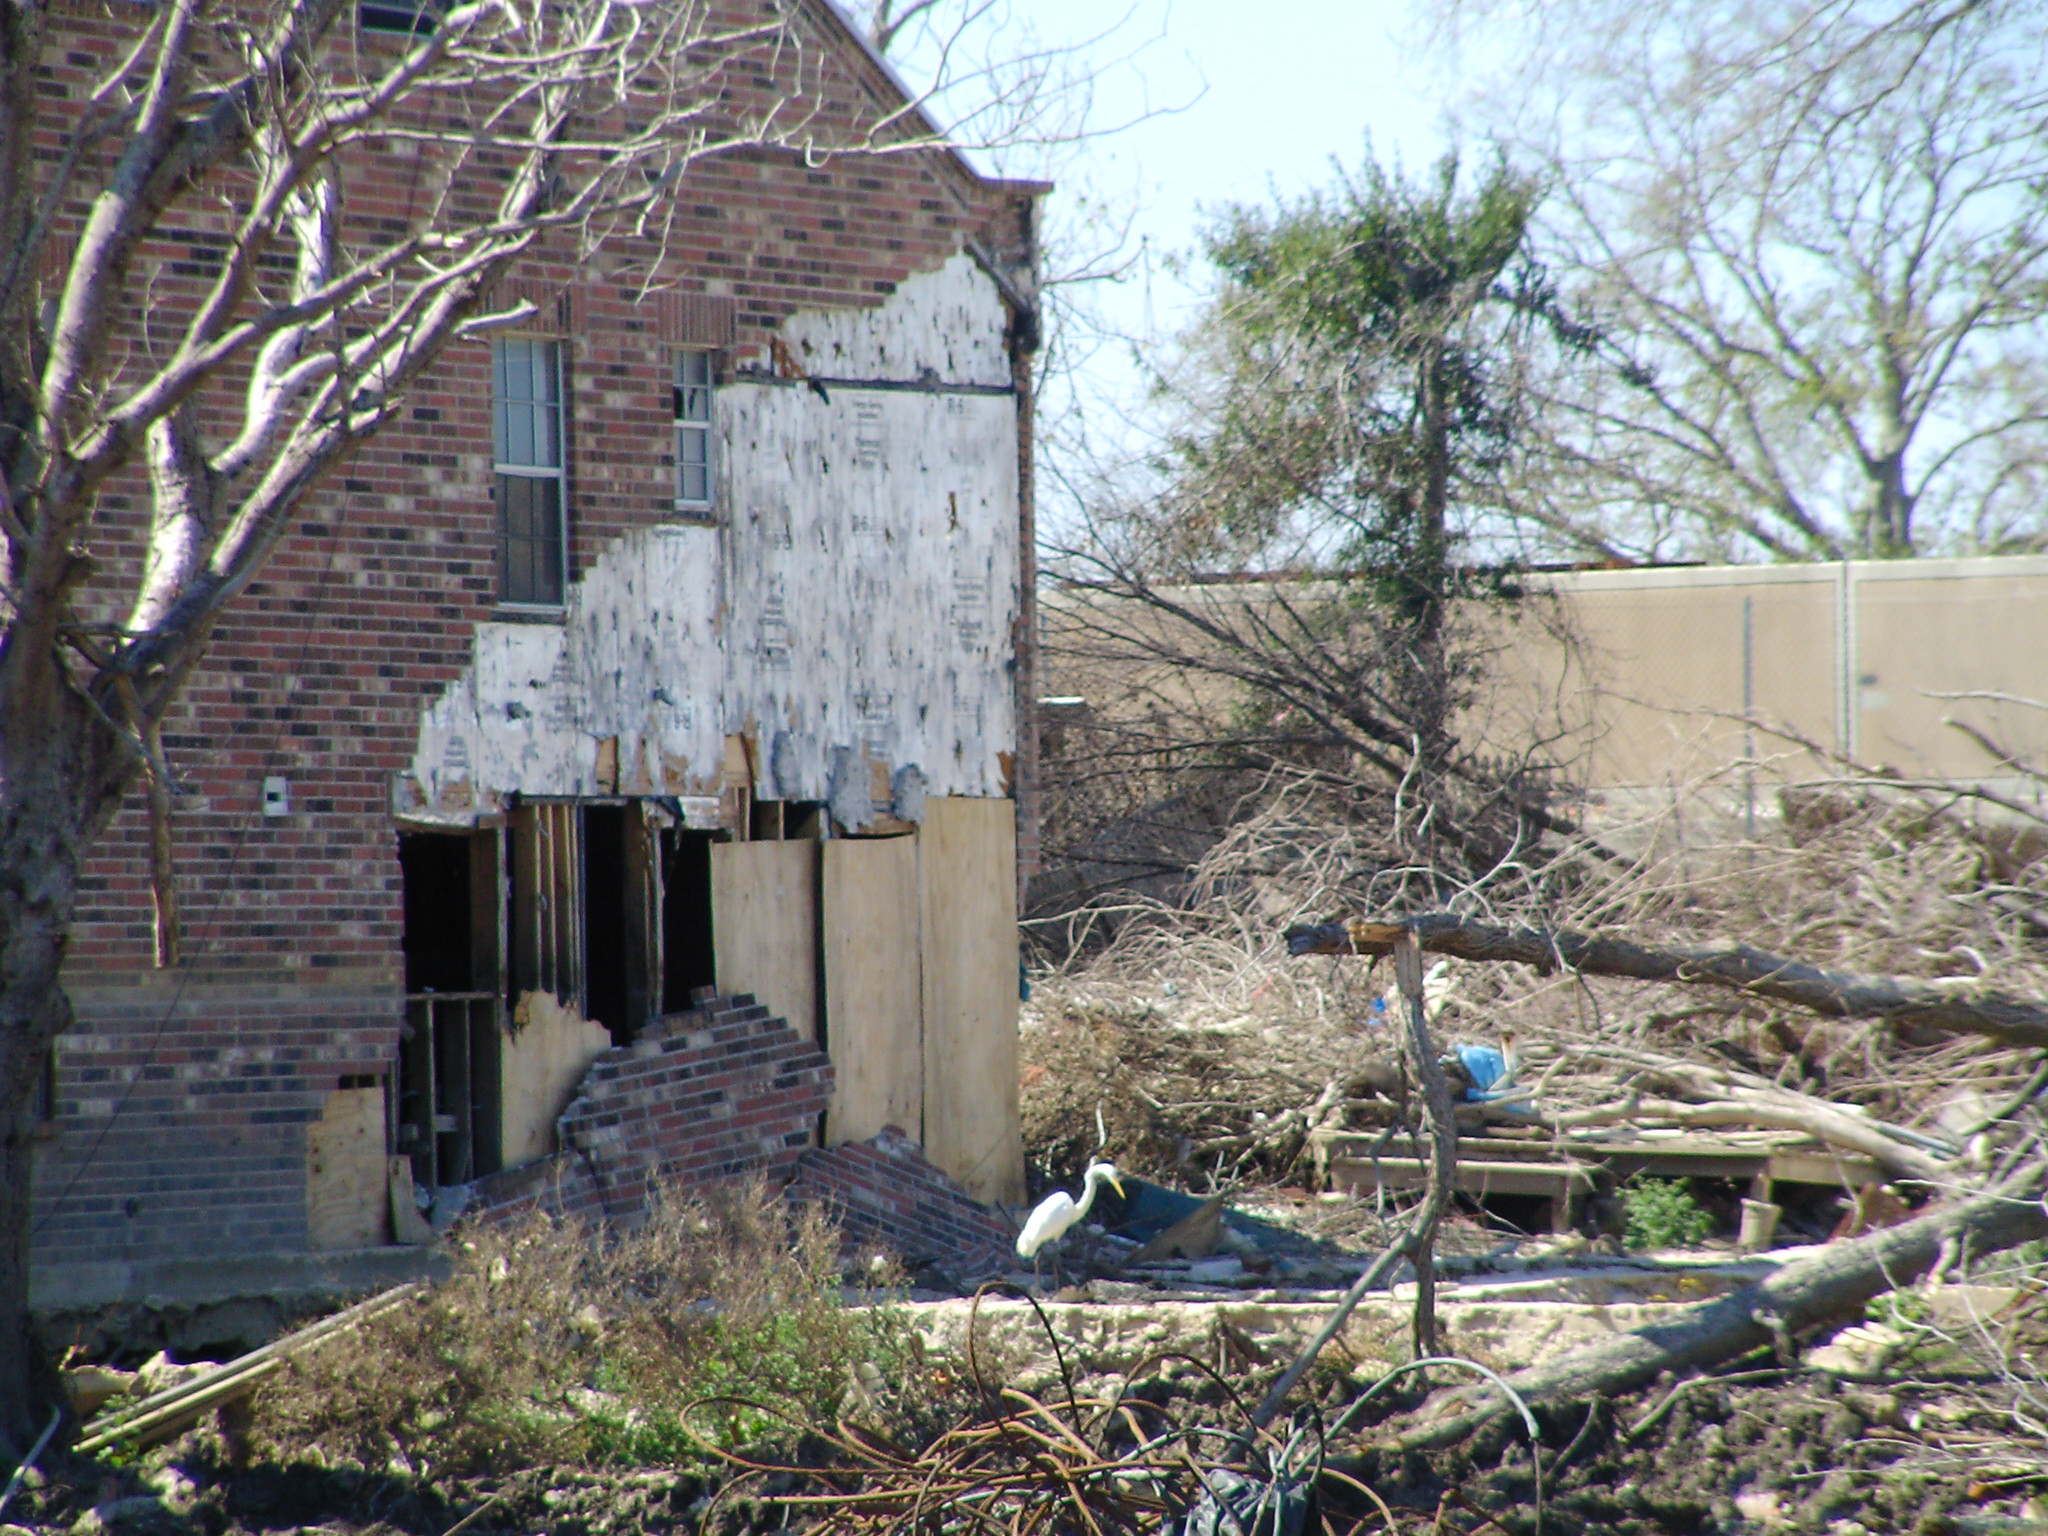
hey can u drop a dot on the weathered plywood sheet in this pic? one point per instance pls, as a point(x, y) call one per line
point(872, 570)
point(764, 926)
point(967, 875)
point(855, 605)
point(874, 1000)
point(541, 1060)
point(347, 1180)
point(622, 697)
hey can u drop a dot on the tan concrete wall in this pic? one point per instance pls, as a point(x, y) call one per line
point(1854, 656)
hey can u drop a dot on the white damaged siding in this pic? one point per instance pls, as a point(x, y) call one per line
point(851, 614)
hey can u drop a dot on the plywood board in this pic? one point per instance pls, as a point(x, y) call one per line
point(967, 858)
point(764, 926)
point(347, 1178)
point(541, 1060)
point(873, 989)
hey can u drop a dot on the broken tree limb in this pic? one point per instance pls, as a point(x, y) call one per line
point(1960, 1007)
point(1417, 1241)
point(1440, 1128)
point(1836, 1281)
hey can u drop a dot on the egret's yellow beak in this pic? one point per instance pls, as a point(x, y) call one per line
point(1117, 1186)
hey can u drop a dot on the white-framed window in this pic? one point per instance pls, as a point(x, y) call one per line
point(526, 433)
point(693, 380)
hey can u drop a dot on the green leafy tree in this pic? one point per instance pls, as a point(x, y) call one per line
point(1354, 413)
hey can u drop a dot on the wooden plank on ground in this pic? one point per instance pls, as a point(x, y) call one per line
point(874, 1005)
point(347, 1199)
point(967, 873)
point(764, 926)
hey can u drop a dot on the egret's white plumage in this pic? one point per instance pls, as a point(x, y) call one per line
point(1060, 1210)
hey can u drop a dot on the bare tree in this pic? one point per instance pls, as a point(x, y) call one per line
point(1818, 237)
point(192, 307)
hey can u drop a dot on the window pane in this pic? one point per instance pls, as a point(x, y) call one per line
point(530, 554)
point(526, 422)
point(547, 435)
point(693, 464)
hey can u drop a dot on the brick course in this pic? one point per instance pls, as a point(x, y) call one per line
point(720, 1092)
point(884, 1196)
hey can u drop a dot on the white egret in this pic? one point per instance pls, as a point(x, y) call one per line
point(1060, 1210)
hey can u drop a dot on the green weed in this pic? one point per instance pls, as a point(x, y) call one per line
point(1662, 1213)
point(553, 1344)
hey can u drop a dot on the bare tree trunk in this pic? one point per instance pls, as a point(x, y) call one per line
point(1963, 1009)
point(1834, 1282)
point(1440, 1126)
point(59, 784)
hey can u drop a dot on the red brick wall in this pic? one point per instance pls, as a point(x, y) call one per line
point(722, 1091)
point(885, 1197)
point(319, 671)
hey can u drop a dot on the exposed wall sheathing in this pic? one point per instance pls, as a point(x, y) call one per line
point(967, 853)
point(764, 914)
point(851, 611)
point(874, 1003)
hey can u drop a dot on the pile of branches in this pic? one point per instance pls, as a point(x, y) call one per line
point(1107, 1460)
point(1214, 1054)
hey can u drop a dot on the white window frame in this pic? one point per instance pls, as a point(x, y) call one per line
point(558, 472)
point(695, 405)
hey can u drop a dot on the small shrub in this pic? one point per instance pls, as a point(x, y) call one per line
point(549, 1345)
point(1662, 1213)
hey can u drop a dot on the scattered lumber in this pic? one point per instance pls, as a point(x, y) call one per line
point(1959, 1007)
point(163, 1415)
point(1802, 1295)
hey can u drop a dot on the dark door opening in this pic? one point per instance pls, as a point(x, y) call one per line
point(437, 942)
point(607, 953)
point(688, 955)
point(446, 1113)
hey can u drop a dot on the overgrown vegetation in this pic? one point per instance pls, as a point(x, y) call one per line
point(547, 1348)
point(1662, 1213)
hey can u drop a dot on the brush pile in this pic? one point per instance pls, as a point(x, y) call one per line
point(1213, 1056)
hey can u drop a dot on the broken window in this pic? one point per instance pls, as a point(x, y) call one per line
point(526, 431)
point(693, 431)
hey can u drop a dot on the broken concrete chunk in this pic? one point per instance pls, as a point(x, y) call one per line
point(91, 1387)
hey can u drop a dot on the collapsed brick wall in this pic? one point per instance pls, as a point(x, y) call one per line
point(722, 1091)
point(882, 1194)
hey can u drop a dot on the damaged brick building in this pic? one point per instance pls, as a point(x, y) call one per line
point(630, 736)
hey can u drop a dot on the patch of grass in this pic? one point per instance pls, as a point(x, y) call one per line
point(554, 1344)
point(1662, 1213)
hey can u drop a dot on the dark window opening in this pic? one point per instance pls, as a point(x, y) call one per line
point(687, 952)
point(607, 956)
point(437, 941)
point(415, 18)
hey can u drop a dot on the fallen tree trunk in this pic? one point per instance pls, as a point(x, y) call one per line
point(1960, 1007)
point(1806, 1292)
